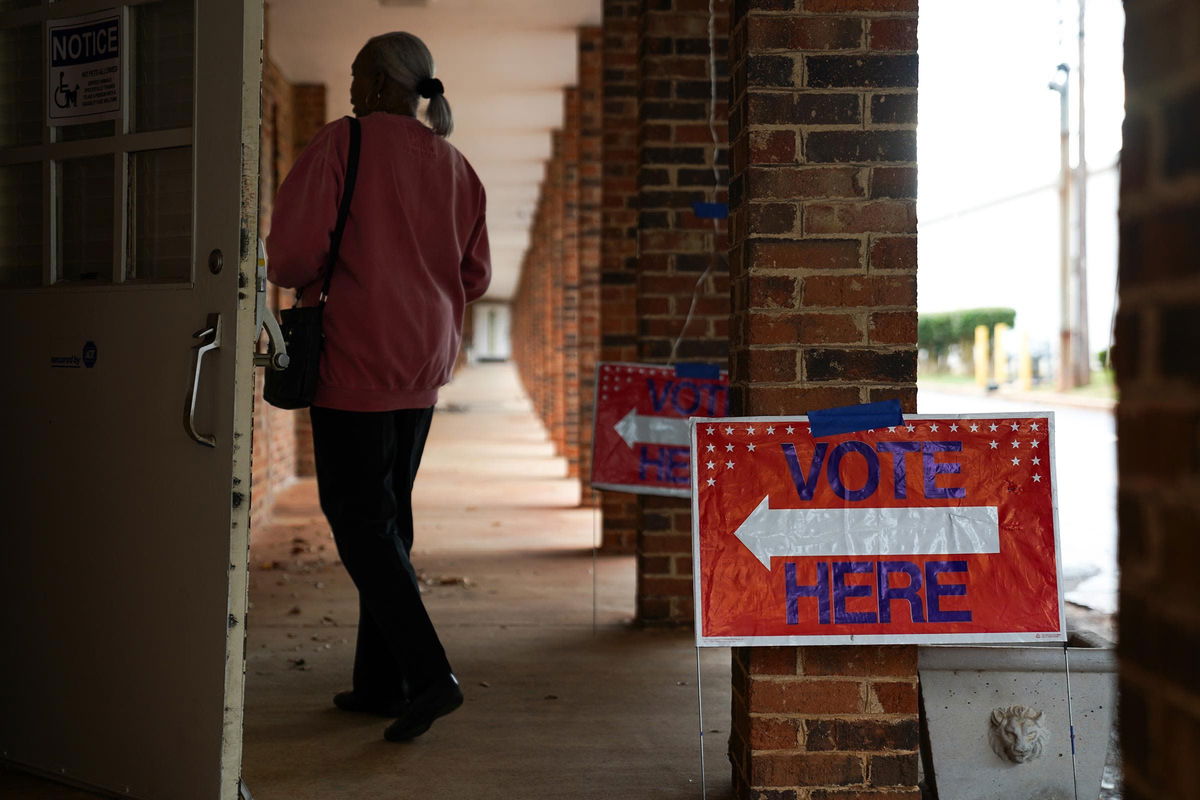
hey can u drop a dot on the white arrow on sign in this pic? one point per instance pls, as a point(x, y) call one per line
point(769, 532)
point(635, 427)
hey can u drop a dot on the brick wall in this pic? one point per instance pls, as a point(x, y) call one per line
point(1158, 417)
point(676, 161)
point(618, 224)
point(568, 302)
point(591, 69)
point(823, 262)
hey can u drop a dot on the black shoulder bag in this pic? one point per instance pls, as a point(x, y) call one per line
point(295, 386)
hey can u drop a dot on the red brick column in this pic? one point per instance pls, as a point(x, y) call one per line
point(591, 106)
point(618, 223)
point(823, 261)
point(568, 310)
point(553, 320)
point(1158, 417)
point(676, 160)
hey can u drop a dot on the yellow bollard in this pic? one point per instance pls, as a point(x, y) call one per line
point(1025, 376)
point(981, 356)
point(999, 355)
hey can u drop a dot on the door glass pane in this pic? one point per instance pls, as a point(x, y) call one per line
point(160, 215)
point(162, 74)
point(21, 107)
point(21, 225)
point(85, 219)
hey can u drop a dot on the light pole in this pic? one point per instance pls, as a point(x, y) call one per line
point(1065, 344)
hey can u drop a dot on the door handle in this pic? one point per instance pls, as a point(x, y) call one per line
point(276, 356)
point(214, 331)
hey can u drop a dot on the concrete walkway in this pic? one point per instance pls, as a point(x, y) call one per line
point(555, 707)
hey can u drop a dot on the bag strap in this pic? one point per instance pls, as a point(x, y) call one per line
point(335, 239)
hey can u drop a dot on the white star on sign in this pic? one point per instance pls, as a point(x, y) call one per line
point(729, 448)
point(1037, 478)
point(712, 481)
point(728, 431)
point(910, 428)
point(711, 447)
point(1036, 461)
point(710, 430)
point(750, 430)
point(934, 427)
point(1016, 462)
point(974, 428)
point(770, 429)
point(751, 447)
point(993, 444)
point(1015, 444)
point(728, 465)
point(892, 429)
point(993, 427)
point(1034, 443)
point(1016, 426)
point(1035, 426)
point(953, 428)
point(712, 465)
point(790, 429)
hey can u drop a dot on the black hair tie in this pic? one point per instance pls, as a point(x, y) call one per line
point(428, 87)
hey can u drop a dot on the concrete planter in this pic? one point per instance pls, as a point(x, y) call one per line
point(997, 719)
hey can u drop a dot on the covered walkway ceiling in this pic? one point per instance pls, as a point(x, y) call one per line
point(504, 65)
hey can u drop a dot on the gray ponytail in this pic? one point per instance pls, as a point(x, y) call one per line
point(408, 63)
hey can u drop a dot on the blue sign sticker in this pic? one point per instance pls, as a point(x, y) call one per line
point(89, 354)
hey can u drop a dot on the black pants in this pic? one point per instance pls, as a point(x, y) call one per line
point(366, 464)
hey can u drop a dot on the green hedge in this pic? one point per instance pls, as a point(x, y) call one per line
point(937, 333)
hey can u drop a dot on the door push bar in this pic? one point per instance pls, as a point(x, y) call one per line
point(214, 331)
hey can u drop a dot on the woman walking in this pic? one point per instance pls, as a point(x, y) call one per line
point(413, 254)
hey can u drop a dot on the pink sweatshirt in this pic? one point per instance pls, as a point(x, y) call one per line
point(414, 253)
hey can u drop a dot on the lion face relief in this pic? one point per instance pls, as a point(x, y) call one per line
point(1017, 733)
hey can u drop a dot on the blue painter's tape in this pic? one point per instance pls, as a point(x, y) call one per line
point(708, 372)
point(848, 419)
point(711, 210)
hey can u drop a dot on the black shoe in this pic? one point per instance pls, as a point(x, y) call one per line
point(353, 701)
point(438, 700)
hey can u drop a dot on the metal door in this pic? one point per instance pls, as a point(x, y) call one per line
point(126, 360)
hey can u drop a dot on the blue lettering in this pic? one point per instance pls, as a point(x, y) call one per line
point(833, 471)
point(679, 464)
point(657, 400)
point(899, 451)
point(841, 591)
point(717, 393)
point(819, 590)
point(934, 591)
point(659, 463)
point(888, 593)
point(805, 486)
point(678, 389)
point(933, 469)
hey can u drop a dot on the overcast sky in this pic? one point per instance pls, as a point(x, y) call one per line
point(989, 136)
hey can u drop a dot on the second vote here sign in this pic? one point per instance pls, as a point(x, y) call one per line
point(938, 530)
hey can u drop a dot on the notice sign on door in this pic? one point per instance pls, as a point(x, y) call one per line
point(84, 81)
point(940, 530)
point(640, 441)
